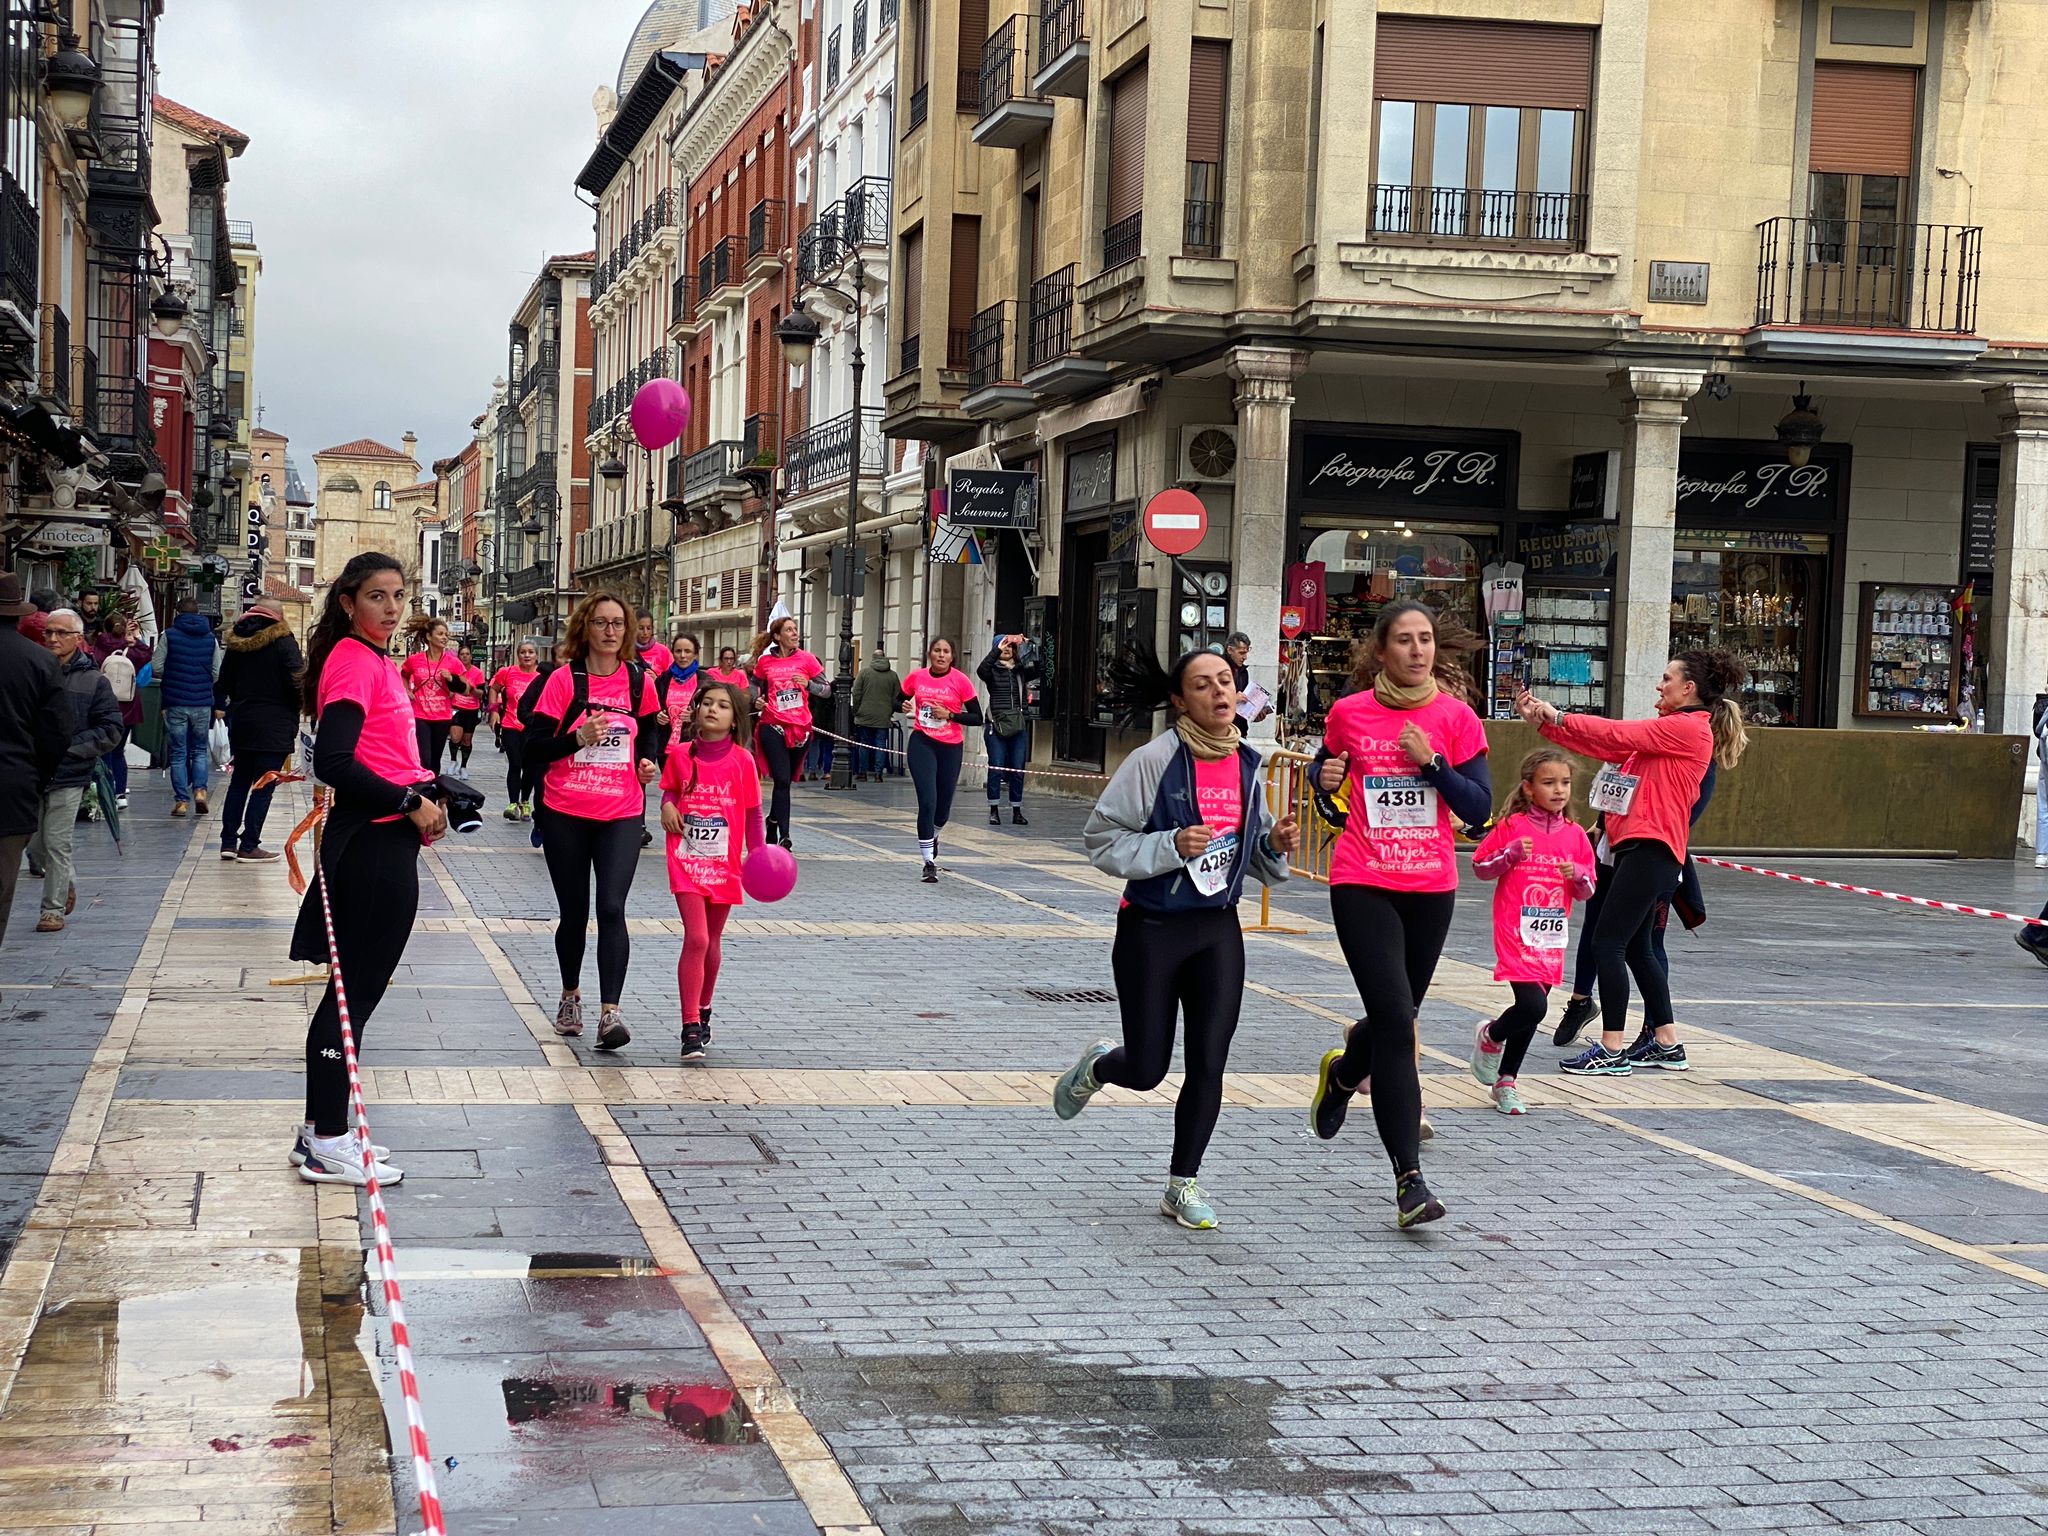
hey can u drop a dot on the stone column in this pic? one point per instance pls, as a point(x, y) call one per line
point(1258, 521)
point(1653, 413)
point(2015, 633)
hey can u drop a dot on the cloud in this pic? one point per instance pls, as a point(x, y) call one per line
point(411, 163)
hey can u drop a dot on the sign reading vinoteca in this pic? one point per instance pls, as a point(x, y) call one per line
point(1408, 470)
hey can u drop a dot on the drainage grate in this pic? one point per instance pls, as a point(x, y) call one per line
point(1087, 995)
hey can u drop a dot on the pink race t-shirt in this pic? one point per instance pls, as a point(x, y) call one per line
point(736, 677)
point(1219, 794)
point(1532, 900)
point(951, 690)
point(785, 700)
point(680, 691)
point(465, 687)
point(512, 683)
point(354, 673)
point(1398, 834)
point(706, 858)
point(600, 782)
point(431, 682)
point(659, 658)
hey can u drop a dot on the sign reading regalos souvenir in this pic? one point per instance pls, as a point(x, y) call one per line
point(992, 498)
point(1473, 470)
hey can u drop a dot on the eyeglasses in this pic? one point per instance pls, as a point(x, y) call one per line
point(60, 634)
point(607, 623)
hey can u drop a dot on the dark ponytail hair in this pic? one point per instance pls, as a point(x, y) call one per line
point(1719, 676)
point(1136, 687)
point(334, 623)
point(1453, 640)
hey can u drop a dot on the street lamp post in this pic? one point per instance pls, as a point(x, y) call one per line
point(799, 337)
point(613, 474)
point(647, 553)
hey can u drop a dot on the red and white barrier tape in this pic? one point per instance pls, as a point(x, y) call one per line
point(1043, 773)
point(387, 1259)
point(1865, 890)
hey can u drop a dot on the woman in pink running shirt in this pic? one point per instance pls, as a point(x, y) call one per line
point(728, 670)
point(596, 735)
point(784, 674)
point(432, 674)
point(508, 687)
point(941, 701)
point(1540, 862)
point(710, 801)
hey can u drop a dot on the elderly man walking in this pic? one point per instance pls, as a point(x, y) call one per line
point(95, 721)
point(35, 729)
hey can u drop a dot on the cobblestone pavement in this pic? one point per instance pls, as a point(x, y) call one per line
point(853, 1275)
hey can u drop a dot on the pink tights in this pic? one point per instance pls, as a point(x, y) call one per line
point(697, 967)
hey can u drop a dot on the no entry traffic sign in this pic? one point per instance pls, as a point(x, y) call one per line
point(1175, 522)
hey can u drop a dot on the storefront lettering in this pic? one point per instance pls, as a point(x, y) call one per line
point(1449, 465)
point(1750, 487)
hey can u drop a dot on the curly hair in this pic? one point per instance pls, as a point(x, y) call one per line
point(575, 644)
point(1454, 639)
point(1719, 676)
point(421, 626)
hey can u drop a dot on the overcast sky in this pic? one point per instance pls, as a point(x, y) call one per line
point(410, 163)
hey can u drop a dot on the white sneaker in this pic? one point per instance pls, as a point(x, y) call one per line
point(339, 1161)
point(2041, 861)
point(301, 1149)
point(120, 802)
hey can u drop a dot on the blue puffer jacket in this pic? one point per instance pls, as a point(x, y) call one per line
point(186, 671)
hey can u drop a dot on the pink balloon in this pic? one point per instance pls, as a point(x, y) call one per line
point(661, 412)
point(769, 873)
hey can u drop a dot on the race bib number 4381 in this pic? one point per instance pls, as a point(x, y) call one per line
point(1398, 801)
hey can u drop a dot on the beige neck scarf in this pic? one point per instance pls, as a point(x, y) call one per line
point(1206, 746)
point(1402, 696)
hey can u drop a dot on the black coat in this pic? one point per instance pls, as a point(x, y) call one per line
point(95, 720)
point(35, 729)
point(258, 686)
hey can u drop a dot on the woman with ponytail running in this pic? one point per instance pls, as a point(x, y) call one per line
point(710, 800)
point(1413, 757)
point(431, 675)
point(1184, 823)
point(367, 752)
point(784, 674)
point(942, 700)
point(465, 692)
point(596, 738)
point(508, 687)
point(1647, 792)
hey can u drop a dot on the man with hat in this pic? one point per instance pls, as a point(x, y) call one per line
point(257, 693)
point(35, 729)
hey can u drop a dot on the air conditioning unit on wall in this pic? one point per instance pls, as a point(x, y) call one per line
point(1208, 455)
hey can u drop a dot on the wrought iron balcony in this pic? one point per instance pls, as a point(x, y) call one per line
point(537, 577)
point(1062, 61)
point(1202, 220)
point(1012, 113)
point(1052, 316)
point(959, 347)
point(920, 104)
point(1868, 274)
point(988, 358)
point(88, 390)
point(761, 440)
point(907, 353)
point(764, 228)
point(818, 250)
point(1475, 216)
point(1123, 242)
point(823, 456)
point(721, 266)
point(539, 476)
point(860, 30)
point(54, 353)
point(864, 213)
point(707, 469)
point(832, 60)
point(21, 232)
point(682, 299)
point(887, 14)
point(543, 371)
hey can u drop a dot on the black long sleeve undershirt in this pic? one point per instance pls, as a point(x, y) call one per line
point(335, 763)
point(1467, 787)
point(547, 742)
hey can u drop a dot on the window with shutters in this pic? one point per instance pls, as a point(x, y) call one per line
point(911, 300)
point(963, 289)
point(918, 33)
point(1208, 100)
point(973, 33)
point(1860, 167)
point(1479, 131)
point(1123, 222)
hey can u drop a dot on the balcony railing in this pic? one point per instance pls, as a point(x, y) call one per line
point(1052, 316)
point(1005, 72)
point(907, 353)
point(20, 241)
point(682, 299)
point(888, 14)
point(1202, 221)
point(818, 251)
point(537, 577)
point(1476, 216)
point(1868, 274)
point(832, 59)
point(1059, 28)
point(764, 228)
point(860, 30)
point(54, 353)
point(967, 88)
point(1123, 242)
point(88, 390)
point(706, 468)
point(761, 440)
point(539, 476)
point(920, 105)
point(823, 456)
point(720, 266)
point(989, 360)
point(543, 371)
point(864, 213)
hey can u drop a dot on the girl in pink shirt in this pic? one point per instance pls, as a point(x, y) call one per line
point(942, 700)
point(431, 675)
point(783, 674)
point(1540, 862)
point(508, 687)
point(596, 735)
point(710, 798)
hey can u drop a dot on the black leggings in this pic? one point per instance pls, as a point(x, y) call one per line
point(433, 742)
point(1623, 935)
point(1392, 941)
point(934, 770)
point(1515, 1028)
point(516, 778)
point(1191, 963)
point(574, 846)
point(782, 765)
point(1585, 965)
point(374, 889)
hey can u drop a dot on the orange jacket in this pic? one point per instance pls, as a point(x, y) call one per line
point(1670, 752)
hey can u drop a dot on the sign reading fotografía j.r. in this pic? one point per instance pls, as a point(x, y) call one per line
point(992, 498)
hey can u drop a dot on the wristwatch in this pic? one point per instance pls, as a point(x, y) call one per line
point(1436, 764)
point(411, 802)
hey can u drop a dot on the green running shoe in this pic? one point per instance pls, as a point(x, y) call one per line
point(1077, 1085)
point(1327, 1108)
point(1413, 1203)
point(1184, 1203)
point(1506, 1099)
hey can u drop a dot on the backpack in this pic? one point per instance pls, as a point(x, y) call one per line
point(579, 700)
point(119, 672)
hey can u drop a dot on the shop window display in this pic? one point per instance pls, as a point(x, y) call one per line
point(1762, 604)
point(1906, 653)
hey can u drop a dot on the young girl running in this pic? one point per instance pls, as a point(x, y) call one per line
point(709, 792)
point(508, 687)
point(783, 674)
point(431, 675)
point(1540, 861)
point(942, 699)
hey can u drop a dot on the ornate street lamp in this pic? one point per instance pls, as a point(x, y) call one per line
point(1800, 428)
point(169, 312)
point(71, 80)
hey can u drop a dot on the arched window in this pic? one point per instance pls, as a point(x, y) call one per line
point(380, 497)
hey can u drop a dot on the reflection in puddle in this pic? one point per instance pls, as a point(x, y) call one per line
point(702, 1412)
point(426, 1263)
